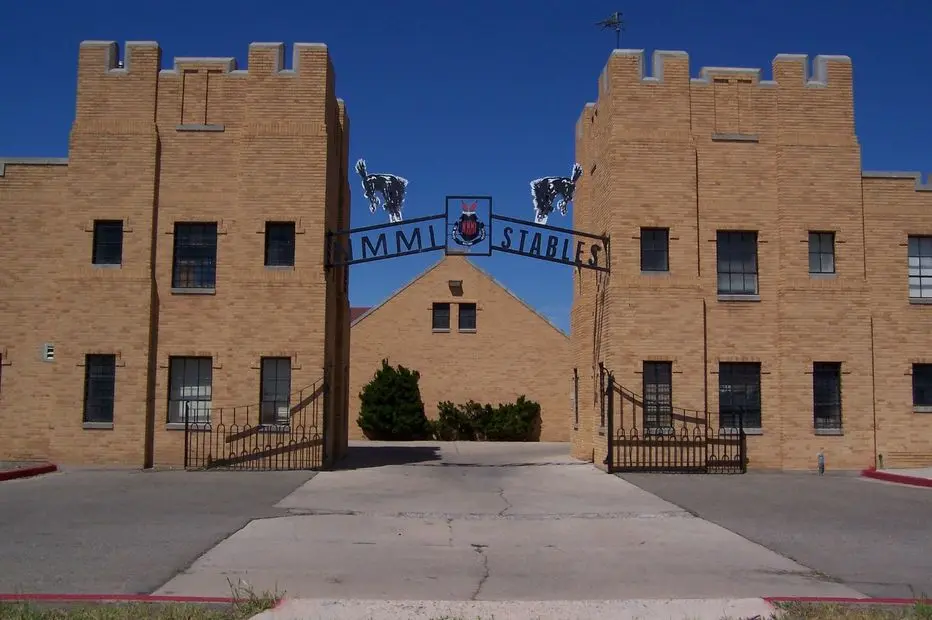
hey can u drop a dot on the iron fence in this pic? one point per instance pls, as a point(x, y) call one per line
point(681, 441)
point(243, 438)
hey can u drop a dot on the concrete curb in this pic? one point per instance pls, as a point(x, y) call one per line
point(915, 481)
point(627, 609)
point(113, 598)
point(27, 472)
point(843, 601)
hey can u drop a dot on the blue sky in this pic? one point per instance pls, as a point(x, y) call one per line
point(478, 97)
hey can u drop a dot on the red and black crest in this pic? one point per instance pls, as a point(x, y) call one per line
point(468, 230)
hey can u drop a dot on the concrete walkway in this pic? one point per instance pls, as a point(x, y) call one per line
point(490, 522)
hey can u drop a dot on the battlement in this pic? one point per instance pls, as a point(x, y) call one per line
point(789, 70)
point(727, 104)
point(263, 59)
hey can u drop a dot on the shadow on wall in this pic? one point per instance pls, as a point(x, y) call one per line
point(364, 457)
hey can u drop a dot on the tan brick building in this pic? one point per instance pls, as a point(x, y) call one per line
point(757, 272)
point(173, 261)
point(752, 258)
point(470, 338)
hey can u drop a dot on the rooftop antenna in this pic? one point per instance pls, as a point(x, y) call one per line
point(616, 23)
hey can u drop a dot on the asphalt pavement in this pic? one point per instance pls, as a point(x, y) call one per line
point(123, 532)
point(874, 537)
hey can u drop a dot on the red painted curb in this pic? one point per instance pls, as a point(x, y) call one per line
point(843, 600)
point(898, 478)
point(27, 472)
point(114, 598)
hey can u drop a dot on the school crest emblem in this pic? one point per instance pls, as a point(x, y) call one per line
point(468, 230)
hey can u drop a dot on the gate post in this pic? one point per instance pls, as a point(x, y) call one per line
point(187, 437)
point(610, 423)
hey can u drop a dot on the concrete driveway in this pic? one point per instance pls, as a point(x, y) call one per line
point(489, 522)
point(872, 536)
point(123, 532)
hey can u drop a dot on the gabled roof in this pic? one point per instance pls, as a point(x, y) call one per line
point(356, 319)
point(355, 313)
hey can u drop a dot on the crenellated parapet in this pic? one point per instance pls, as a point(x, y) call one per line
point(263, 59)
point(205, 93)
point(729, 102)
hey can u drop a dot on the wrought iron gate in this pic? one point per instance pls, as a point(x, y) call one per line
point(665, 439)
point(264, 436)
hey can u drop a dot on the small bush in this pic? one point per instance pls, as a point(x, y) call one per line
point(518, 421)
point(391, 407)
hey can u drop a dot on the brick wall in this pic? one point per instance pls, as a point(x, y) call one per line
point(729, 151)
point(201, 142)
point(513, 351)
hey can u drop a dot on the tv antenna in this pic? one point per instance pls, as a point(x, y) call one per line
point(616, 23)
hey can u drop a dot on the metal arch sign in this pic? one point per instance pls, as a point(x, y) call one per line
point(468, 226)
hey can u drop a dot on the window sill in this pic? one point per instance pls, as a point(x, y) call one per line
point(437, 330)
point(107, 265)
point(921, 301)
point(194, 291)
point(922, 409)
point(280, 267)
point(467, 331)
point(199, 127)
point(829, 431)
point(729, 297)
point(735, 137)
point(275, 428)
point(97, 426)
point(823, 276)
point(747, 431)
point(195, 426)
point(655, 273)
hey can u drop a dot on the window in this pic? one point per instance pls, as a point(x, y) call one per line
point(821, 252)
point(195, 260)
point(99, 388)
point(922, 385)
point(737, 262)
point(108, 242)
point(826, 395)
point(275, 390)
point(190, 380)
point(279, 244)
point(467, 317)
point(920, 267)
point(739, 394)
point(658, 390)
point(441, 316)
point(655, 249)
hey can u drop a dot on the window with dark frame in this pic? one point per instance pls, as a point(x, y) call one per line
point(99, 388)
point(826, 395)
point(467, 317)
point(922, 385)
point(655, 249)
point(737, 262)
point(440, 318)
point(190, 381)
point(108, 242)
point(194, 264)
point(920, 267)
point(821, 252)
point(739, 395)
point(279, 244)
point(275, 390)
point(658, 395)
